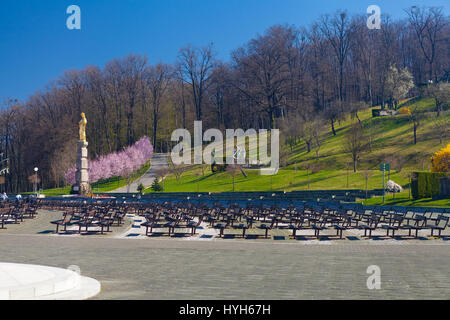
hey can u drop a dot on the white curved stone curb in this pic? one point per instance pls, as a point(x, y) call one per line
point(35, 282)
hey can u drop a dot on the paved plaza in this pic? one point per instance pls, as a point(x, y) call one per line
point(164, 268)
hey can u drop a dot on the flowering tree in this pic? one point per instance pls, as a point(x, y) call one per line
point(398, 84)
point(121, 163)
point(391, 186)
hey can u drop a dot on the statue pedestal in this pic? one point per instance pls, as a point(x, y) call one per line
point(82, 185)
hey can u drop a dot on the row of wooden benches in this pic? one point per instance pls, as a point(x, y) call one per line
point(102, 218)
point(16, 213)
point(295, 219)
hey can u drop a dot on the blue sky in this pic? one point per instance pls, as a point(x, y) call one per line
point(36, 46)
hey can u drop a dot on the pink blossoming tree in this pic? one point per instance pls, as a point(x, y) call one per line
point(121, 163)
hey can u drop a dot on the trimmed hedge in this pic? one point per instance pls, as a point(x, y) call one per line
point(425, 184)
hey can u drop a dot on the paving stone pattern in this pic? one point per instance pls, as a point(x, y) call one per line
point(229, 269)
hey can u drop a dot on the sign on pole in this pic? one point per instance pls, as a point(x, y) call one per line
point(384, 167)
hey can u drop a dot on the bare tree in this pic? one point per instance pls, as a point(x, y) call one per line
point(262, 66)
point(441, 95)
point(316, 128)
point(307, 167)
point(177, 170)
point(133, 67)
point(367, 174)
point(291, 130)
point(441, 126)
point(196, 67)
point(408, 174)
point(75, 86)
point(97, 85)
point(427, 24)
point(233, 170)
point(162, 173)
point(157, 79)
point(415, 116)
point(337, 30)
point(355, 143)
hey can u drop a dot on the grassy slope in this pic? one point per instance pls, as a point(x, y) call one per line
point(287, 179)
point(392, 135)
point(402, 199)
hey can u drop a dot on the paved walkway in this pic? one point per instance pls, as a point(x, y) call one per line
point(159, 160)
point(229, 269)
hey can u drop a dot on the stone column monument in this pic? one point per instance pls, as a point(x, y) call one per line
point(82, 185)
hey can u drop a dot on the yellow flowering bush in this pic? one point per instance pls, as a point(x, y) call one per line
point(404, 110)
point(440, 161)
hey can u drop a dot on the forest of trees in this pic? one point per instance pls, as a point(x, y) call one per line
point(305, 77)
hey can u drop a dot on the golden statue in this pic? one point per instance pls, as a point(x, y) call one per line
point(82, 126)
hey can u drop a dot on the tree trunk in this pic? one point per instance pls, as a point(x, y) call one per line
point(332, 127)
point(308, 146)
point(155, 123)
point(415, 133)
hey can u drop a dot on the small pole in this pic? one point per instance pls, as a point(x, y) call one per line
point(383, 182)
point(409, 196)
point(347, 173)
point(307, 173)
